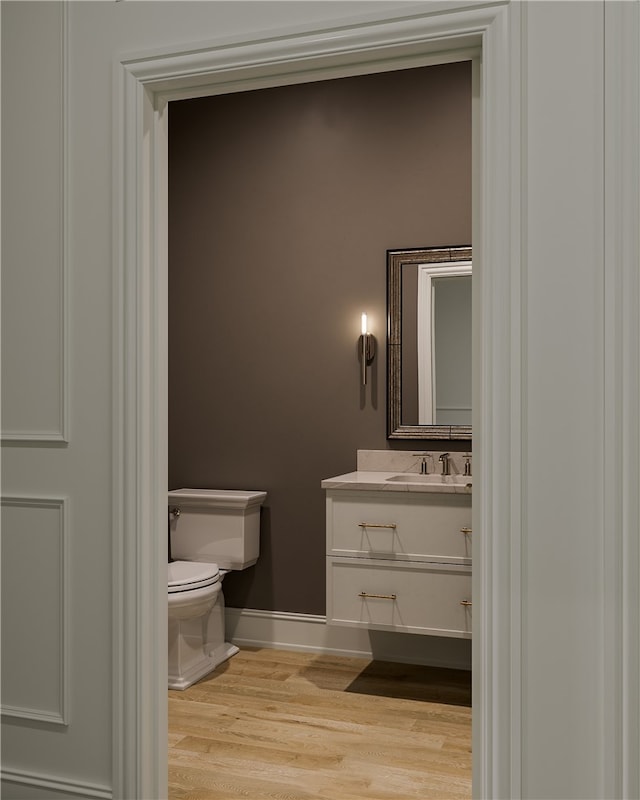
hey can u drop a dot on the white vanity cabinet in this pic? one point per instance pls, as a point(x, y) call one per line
point(399, 561)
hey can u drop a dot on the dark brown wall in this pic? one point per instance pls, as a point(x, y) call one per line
point(283, 203)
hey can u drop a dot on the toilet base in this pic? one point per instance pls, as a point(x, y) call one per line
point(223, 652)
point(203, 666)
point(196, 643)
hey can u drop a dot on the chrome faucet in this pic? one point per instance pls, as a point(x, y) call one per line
point(444, 457)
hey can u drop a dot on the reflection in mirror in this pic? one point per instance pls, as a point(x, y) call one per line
point(444, 344)
point(429, 343)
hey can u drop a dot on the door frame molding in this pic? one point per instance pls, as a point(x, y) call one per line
point(143, 86)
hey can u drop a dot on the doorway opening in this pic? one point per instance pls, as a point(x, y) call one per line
point(283, 202)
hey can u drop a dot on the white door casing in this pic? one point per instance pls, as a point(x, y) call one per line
point(145, 85)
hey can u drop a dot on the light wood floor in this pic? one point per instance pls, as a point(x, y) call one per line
point(276, 724)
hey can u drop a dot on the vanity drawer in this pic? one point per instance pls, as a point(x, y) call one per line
point(423, 527)
point(411, 597)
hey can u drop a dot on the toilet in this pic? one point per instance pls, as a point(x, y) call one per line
point(212, 531)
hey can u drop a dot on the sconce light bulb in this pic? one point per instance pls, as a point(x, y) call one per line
point(364, 324)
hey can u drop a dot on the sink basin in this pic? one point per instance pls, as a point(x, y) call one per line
point(434, 480)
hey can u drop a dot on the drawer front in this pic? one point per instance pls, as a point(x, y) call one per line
point(415, 598)
point(430, 527)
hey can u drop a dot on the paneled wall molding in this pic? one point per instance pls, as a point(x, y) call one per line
point(144, 84)
point(22, 712)
point(57, 433)
point(43, 785)
point(60, 715)
point(309, 633)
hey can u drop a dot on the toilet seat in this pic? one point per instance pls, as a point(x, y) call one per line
point(185, 576)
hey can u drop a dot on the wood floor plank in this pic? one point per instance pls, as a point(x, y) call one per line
point(293, 726)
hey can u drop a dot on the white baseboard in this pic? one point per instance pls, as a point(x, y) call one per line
point(310, 633)
point(37, 786)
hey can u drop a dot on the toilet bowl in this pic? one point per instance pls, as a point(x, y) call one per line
point(196, 622)
point(211, 533)
point(193, 588)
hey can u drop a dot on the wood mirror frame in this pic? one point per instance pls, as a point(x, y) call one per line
point(396, 261)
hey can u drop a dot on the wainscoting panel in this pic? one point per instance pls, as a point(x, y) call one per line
point(21, 785)
point(34, 609)
point(34, 257)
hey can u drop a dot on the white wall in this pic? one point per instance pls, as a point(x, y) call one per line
point(572, 559)
point(56, 551)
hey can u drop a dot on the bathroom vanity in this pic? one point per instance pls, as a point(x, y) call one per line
point(399, 545)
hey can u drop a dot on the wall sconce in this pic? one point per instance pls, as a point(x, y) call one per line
point(367, 348)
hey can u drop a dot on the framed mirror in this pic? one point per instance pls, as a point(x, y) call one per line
point(429, 343)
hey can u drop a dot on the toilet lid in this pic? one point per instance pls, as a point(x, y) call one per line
point(187, 575)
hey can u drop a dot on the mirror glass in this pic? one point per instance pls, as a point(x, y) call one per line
point(429, 343)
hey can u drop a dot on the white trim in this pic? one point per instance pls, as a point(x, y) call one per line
point(60, 436)
point(53, 783)
point(496, 404)
point(621, 434)
point(34, 437)
point(231, 65)
point(61, 716)
point(64, 227)
point(22, 712)
point(140, 418)
point(140, 444)
point(309, 633)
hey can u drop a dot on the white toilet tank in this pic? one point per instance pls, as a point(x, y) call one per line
point(221, 526)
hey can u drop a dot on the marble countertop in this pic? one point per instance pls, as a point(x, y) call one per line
point(363, 480)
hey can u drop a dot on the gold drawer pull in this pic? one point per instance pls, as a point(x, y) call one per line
point(465, 530)
point(466, 603)
point(376, 525)
point(380, 596)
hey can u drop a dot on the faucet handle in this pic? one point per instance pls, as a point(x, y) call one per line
point(444, 458)
point(424, 469)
